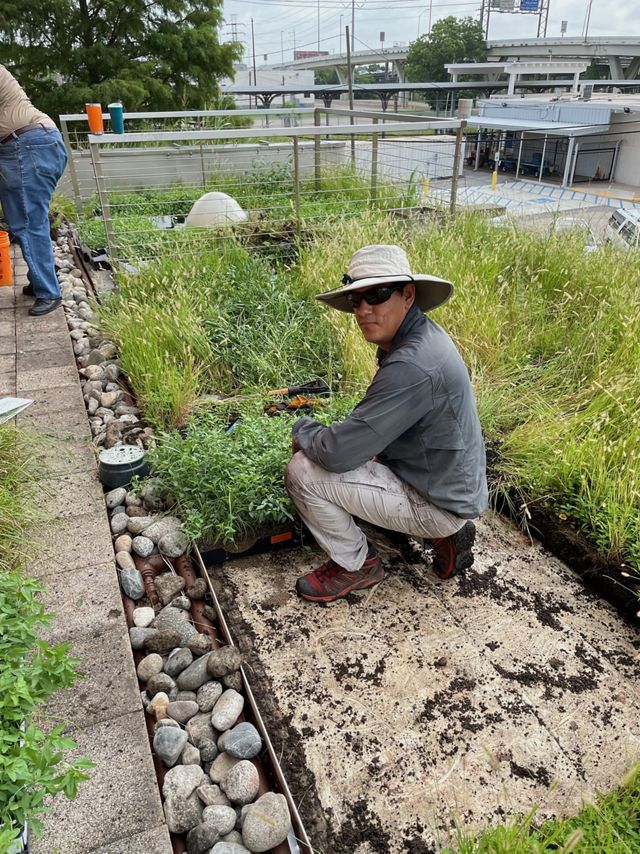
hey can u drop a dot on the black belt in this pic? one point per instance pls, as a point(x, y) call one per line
point(16, 133)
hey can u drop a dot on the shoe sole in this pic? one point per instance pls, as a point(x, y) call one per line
point(357, 585)
point(465, 538)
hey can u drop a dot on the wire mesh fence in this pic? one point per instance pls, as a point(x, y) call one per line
point(249, 175)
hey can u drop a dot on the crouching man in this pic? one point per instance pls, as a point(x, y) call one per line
point(410, 457)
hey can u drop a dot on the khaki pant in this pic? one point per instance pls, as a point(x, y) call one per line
point(327, 503)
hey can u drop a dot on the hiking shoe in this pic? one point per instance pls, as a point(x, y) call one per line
point(454, 553)
point(44, 306)
point(28, 291)
point(332, 581)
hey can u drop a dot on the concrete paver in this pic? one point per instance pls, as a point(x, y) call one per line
point(118, 810)
point(54, 399)
point(73, 542)
point(83, 603)
point(81, 492)
point(119, 800)
point(108, 687)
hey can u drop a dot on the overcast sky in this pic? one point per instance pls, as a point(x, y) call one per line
point(277, 23)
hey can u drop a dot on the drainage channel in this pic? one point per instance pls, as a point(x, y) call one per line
point(189, 669)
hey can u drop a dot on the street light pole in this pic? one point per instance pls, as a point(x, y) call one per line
point(318, 26)
point(341, 17)
point(353, 25)
point(430, 11)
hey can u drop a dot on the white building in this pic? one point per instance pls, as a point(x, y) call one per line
point(569, 139)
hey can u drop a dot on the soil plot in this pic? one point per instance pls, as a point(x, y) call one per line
point(426, 703)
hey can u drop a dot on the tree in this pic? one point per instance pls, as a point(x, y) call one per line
point(451, 40)
point(150, 55)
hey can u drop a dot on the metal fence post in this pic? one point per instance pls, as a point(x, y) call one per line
point(456, 168)
point(296, 181)
point(72, 166)
point(374, 165)
point(202, 169)
point(94, 148)
point(316, 148)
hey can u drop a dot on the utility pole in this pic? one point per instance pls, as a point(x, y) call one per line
point(318, 26)
point(350, 78)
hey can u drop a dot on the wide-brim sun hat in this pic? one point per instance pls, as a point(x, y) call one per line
point(384, 264)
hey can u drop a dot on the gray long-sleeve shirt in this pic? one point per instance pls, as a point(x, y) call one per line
point(418, 417)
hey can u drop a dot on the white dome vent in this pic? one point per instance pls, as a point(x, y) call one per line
point(214, 210)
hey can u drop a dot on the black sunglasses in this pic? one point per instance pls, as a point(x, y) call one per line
point(374, 296)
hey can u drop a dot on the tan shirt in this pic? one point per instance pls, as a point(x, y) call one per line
point(16, 110)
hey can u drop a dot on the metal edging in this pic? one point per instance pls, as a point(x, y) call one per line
point(301, 835)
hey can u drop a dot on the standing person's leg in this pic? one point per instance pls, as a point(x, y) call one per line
point(327, 502)
point(30, 167)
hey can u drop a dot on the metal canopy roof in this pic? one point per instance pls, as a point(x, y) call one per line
point(549, 128)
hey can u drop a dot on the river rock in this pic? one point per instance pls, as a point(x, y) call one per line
point(199, 644)
point(162, 527)
point(125, 561)
point(190, 755)
point(178, 661)
point(182, 814)
point(243, 741)
point(199, 729)
point(112, 372)
point(266, 822)
point(229, 848)
point(167, 722)
point(168, 585)
point(187, 695)
point(198, 589)
point(208, 695)
point(162, 641)
point(123, 543)
point(168, 744)
point(136, 512)
point(149, 666)
point(158, 706)
point(131, 583)
point(208, 749)
point(223, 661)
point(222, 817)
point(143, 617)
point(174, 618)
point(212, 795)
point(234, 836)
point(174, 544)
point(161, 682)
point(118, 523)
point(182, 710)
point(201, 838)
point(133, 500)
point(138, 524)
point(241, 783)
point(115, 496)
point(152, 494)
point(182, 781)
point(138, 637)
point(221, 766)
point(209, 613)
point(182, 602)
point(141, 545)
point(194, 675)
point(227, 710)
point(233, 680)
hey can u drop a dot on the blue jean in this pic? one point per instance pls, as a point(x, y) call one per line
point(30, 167)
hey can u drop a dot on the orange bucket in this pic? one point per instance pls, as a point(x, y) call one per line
point(6, 273)
point(94, 114)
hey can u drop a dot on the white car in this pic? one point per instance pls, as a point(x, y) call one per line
point(623, 228)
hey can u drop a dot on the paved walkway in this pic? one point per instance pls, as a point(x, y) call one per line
point(118, 810)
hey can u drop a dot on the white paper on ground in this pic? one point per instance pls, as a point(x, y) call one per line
point(12, 406)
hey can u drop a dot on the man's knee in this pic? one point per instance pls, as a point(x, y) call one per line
point(297, 472)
